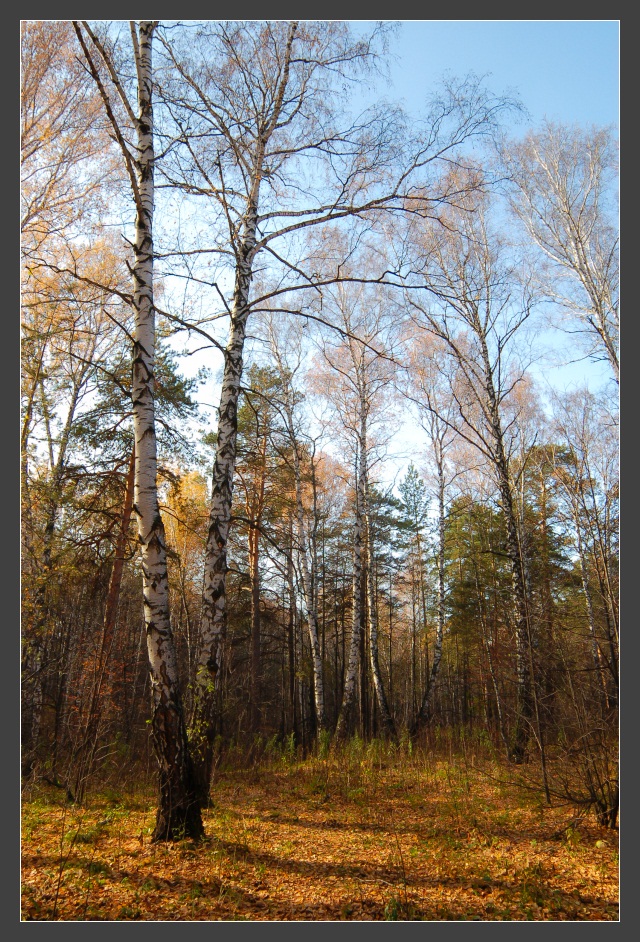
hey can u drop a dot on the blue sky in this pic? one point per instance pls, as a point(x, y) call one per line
point(564, 70)
point(567, 71)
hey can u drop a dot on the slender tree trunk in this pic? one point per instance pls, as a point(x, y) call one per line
point(291, 638)
point(312, 621)
point(524, 708)
point(608, 598)
point(348, 693)
point(422, 718)
point(524, 688)
point(178, 811)
point(391, 635)
point(549, 641)
point(381, 699)
point(255, 660)
point(374, 659)
point(363, 679)
point(307, 577)
point(103, 669)
point(596, 654)
point(213, 628)
point(308, 567)
point(413, 681)
point(600, 557)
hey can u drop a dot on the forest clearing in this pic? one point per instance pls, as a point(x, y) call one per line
point(371, 837)
point(319, 463)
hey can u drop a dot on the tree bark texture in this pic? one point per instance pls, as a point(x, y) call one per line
point(178, 812)
point(213, 629)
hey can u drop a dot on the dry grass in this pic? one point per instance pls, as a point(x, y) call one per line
point(365, 837)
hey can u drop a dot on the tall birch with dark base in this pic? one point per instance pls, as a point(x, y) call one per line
point(178, 813)
point(266, 135)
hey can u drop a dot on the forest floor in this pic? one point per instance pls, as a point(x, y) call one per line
point(362, 838)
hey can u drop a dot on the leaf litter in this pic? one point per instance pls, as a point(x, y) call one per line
point(323, 840)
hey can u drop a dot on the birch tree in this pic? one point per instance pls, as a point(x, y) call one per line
point(427, 388)
point(563, 181)
point(588, 475)
point(476, 308)
point(261, 111)
point(178, 812)
point(257, 96)
point(286, 351)
point(358, 374)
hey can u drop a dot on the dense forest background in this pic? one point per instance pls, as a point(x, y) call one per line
point(421, 540)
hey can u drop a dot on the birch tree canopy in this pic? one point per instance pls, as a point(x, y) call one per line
point(563, 194)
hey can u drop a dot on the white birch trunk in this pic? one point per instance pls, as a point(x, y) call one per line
point(312, 613)
point(374, 659)
point(348, 694)
point(178, 811)
point(524, 683)
point(425, 707)
point(305, 565)
point(524, 713)
point(213, 627)
point(363, 500)
point(595, 648)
